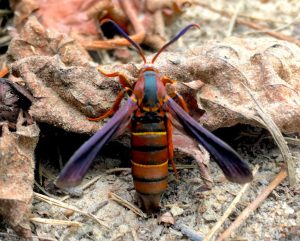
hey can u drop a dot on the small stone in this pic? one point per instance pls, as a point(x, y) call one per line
point(287, 209)
point(210, 216)
point(176, 210)
point(123, 228)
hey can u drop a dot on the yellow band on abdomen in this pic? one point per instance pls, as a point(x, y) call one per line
point(149, 133)
point(150, 166)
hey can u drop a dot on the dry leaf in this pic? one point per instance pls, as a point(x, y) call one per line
point(16, 174)
point(269, 68)
point(166, 218)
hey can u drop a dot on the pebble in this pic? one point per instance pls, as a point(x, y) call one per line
point(210, 216)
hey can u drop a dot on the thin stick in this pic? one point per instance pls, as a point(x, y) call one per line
point(296, 20)
point(187, 231)
point(43, 189)
point(118, 169)
point(254, 204)
point(252, 25)
point(183, 166)
point(229, 209)
point(234, 17)
point(83, 187)
point(127, 204)
point(33, 236)
point(292, 141)
point(58, 203)
point(55, 222)
point(266, 120)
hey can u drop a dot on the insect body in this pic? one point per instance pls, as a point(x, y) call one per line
point(150, 111)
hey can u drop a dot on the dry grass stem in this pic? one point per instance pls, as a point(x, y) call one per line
point(234, 17)
point(55, 222)
point(183, 166)
point(90, 183)
point(127, 204)
point(83, 187)
point(292, 141)
point(33, 237)
point(229, 210)
point(254, 204)
point(251, 24)
point(295, 21)
point(265, 120)
point(118, 169)
point(58, 203)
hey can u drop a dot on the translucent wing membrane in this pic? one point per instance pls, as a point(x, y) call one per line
point(234, 168)
point(77, 166)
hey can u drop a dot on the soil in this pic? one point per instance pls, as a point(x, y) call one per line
point(277, 218)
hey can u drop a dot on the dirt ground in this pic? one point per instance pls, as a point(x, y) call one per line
point(277, 218)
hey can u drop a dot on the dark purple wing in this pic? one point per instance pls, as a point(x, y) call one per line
point(234, 168)
point(77, 166)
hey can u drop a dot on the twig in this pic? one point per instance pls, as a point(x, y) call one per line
point(138, 37)
point(83, 187)
point(55, 222)
point(4, 12)
point(4, 41)
point(244, 15)
point(234, 17)
point(254, 204)
point(252, 25)
point(127, 204)
point(33, 236)
point(183, 166)
point(43, 189)
point(118, 169)
point(296, 20)
point(229, 209)
point(58, 203)
point(187, 231)
point(292, 141)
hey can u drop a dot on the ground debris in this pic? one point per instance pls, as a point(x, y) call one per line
point(16, 174)
point(269, 68)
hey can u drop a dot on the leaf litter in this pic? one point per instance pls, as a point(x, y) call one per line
point(268, 67)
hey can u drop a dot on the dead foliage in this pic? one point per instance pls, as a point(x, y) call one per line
point(237, 81)
point(16, 179)
point(67, 80)
point(144, 20)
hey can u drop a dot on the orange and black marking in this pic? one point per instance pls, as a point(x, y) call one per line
point(150, 156)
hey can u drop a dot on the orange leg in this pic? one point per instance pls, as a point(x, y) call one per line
point(4, 71)
point(114, 108)
point(122, 79)
point(170, 147)
point(182, 103)
point(127, 88)
point(167, 80)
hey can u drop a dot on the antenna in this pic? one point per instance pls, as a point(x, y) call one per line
point(182, 32)
point(125, 35)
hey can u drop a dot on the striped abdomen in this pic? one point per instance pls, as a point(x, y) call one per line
point(149, 160)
